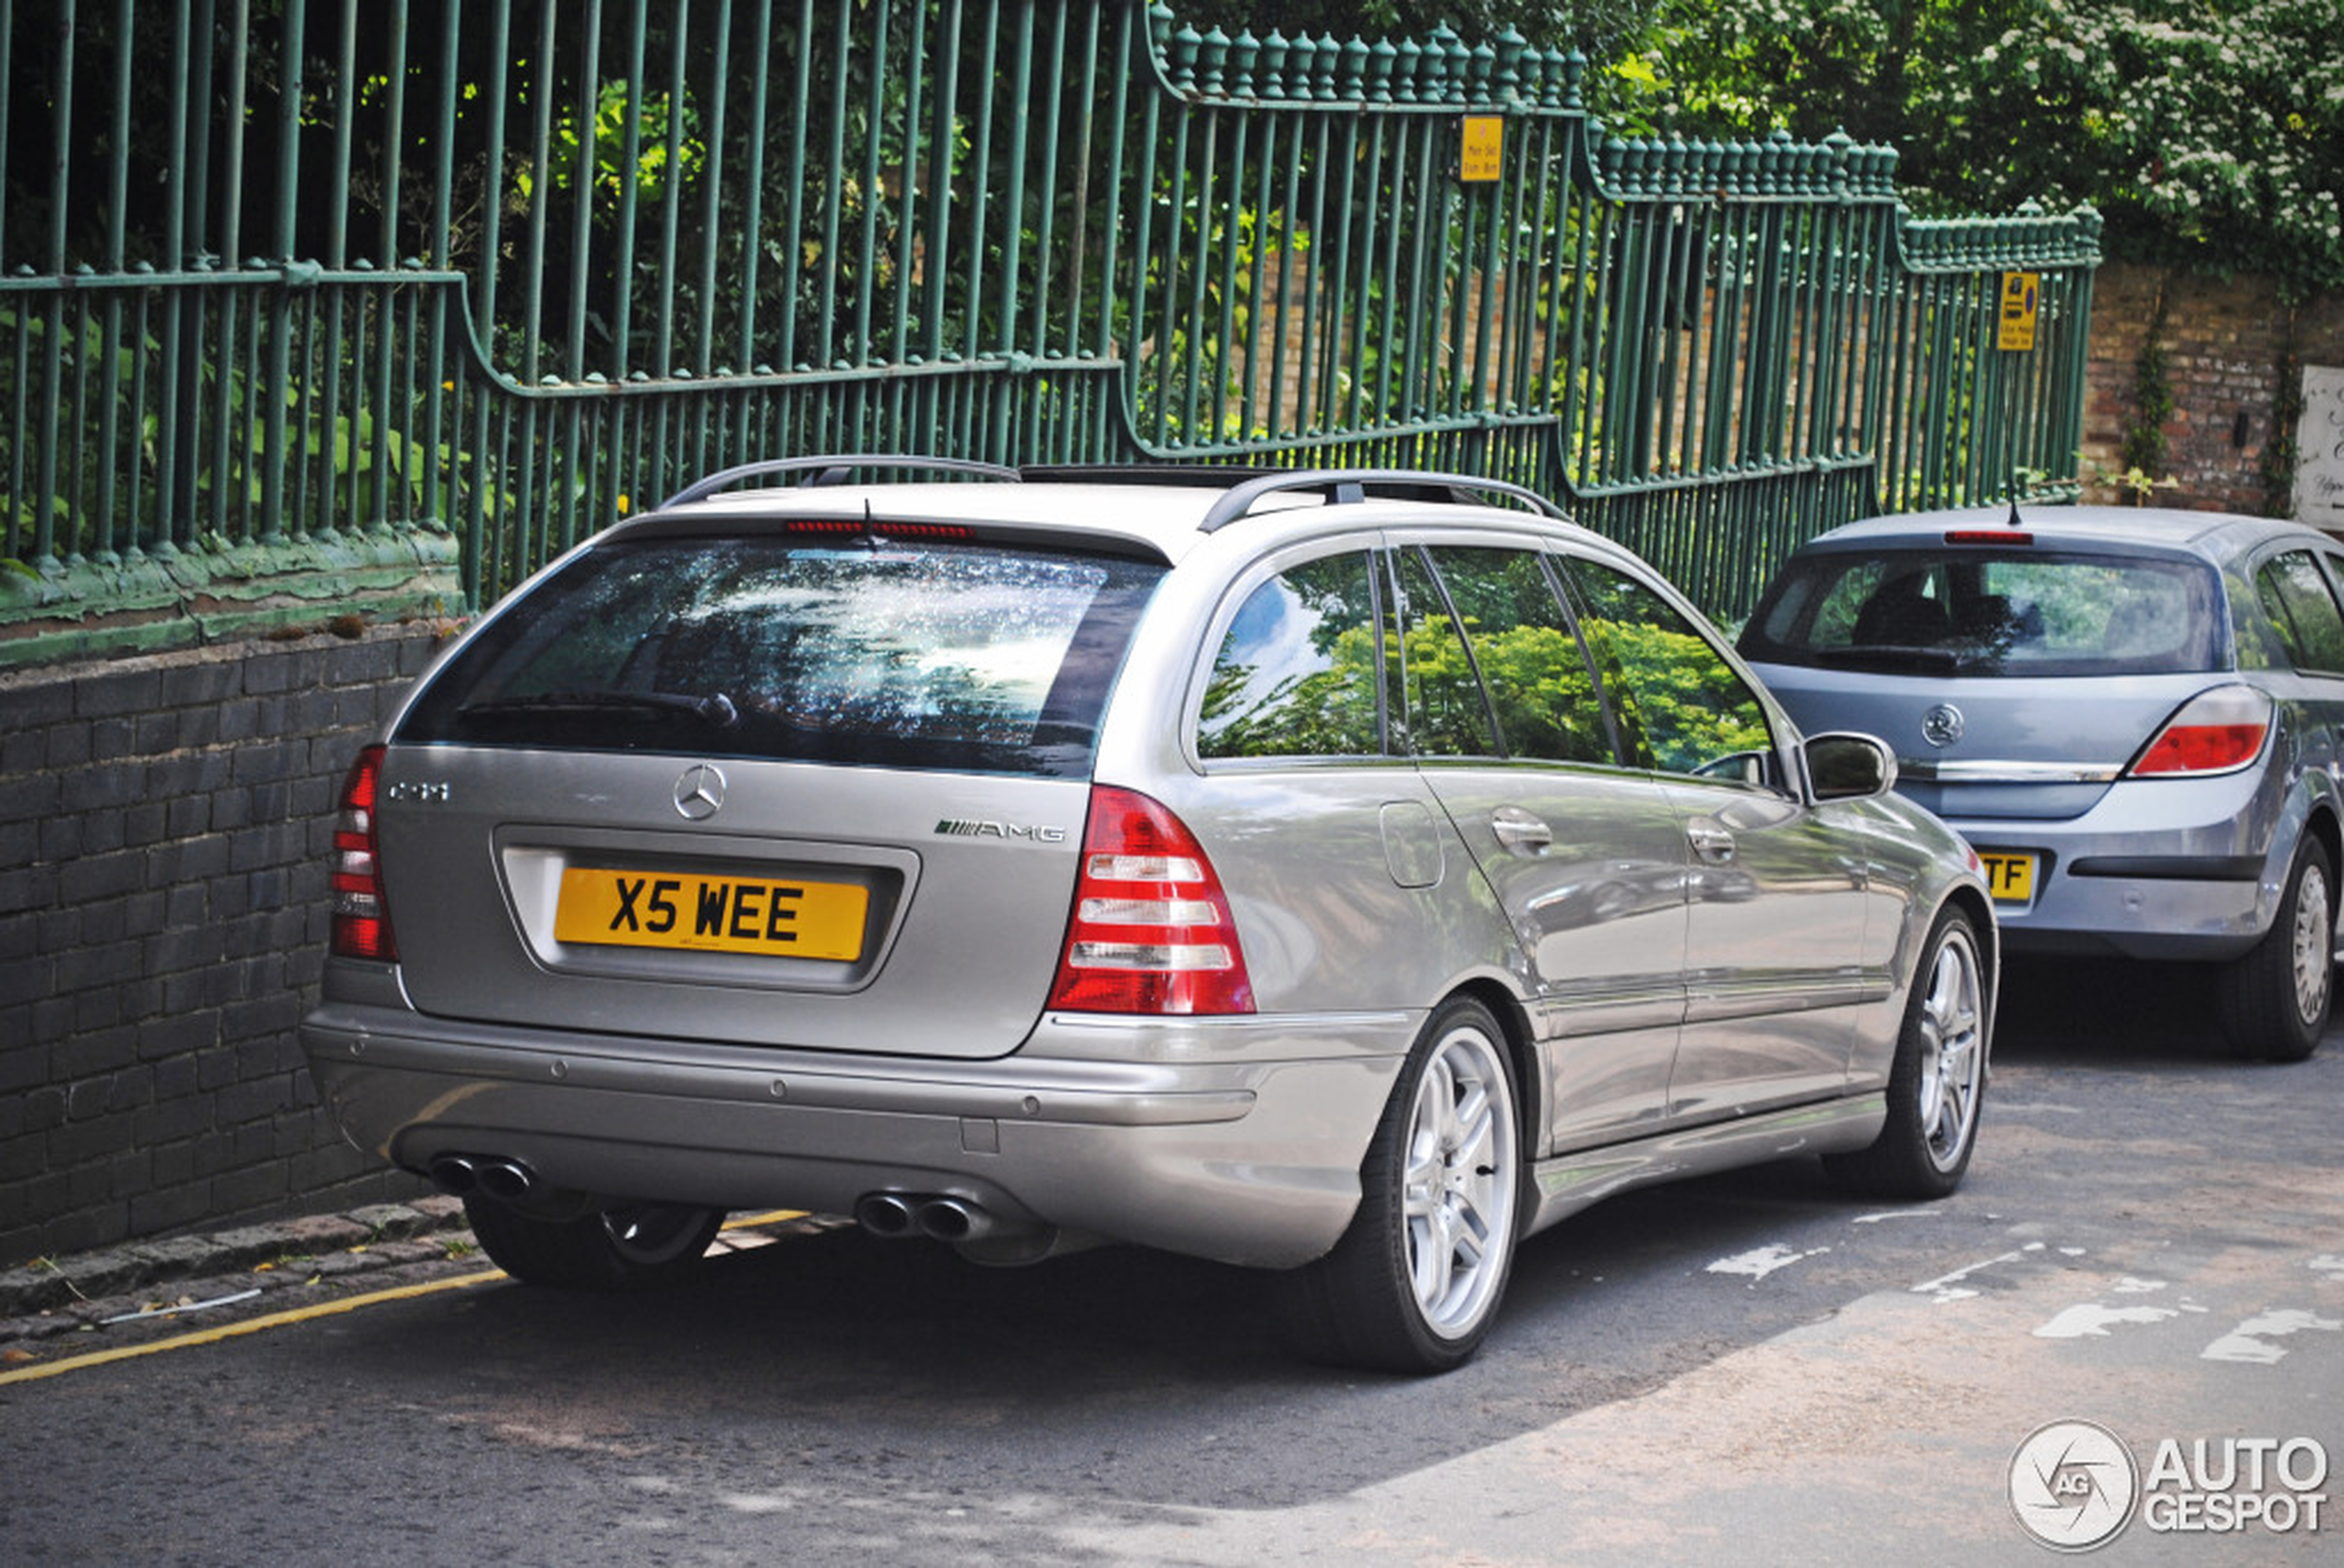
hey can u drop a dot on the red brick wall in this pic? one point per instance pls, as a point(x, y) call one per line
point(2224, 342)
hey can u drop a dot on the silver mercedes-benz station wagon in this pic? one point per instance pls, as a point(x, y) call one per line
point(1340, 873)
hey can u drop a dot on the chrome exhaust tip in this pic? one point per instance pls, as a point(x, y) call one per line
point(887, 1214)
point(506, 1179)
point(953, 1219)
point(455, 1174)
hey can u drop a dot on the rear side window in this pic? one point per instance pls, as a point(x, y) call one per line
point(1296, 672)
point(945, 657)
point(2303, 611)
point(1448, 715)
point(1990, 612)
point(1539, 684)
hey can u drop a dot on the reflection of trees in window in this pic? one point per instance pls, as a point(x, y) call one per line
point(1295, 675)
point(1531, 666)
point(1679, 703)
point(2303, 611)
point(1446, 714)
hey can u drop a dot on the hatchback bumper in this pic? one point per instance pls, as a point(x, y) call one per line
point(2157, 869)
point(1238, 1140)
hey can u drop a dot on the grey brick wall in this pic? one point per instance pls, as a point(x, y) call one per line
point(164, 829)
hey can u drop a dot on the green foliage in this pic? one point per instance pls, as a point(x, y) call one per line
point(2144, 448)
point(2210, 132)
point(1672, 695)
point(655, 161)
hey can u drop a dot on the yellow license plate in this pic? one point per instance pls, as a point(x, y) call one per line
point(2010, 879)
point(703, 914)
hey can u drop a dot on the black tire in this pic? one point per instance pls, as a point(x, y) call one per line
point(619, 1248)
point(2275, 999)
point(1937, 1084)
point(1414, 1282)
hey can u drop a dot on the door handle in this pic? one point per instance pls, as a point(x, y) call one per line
point(1713, 844)
point(1520, 830)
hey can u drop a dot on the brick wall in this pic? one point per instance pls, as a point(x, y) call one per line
point(164, 826)
point(2224, 339)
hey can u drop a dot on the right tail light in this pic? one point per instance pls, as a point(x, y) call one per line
point(1151, 931)
point(2219, 731)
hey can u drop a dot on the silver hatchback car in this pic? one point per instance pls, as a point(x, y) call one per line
point(2136, 716)
point(1339, 873)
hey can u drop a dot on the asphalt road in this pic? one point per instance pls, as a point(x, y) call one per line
point(1749, 1370)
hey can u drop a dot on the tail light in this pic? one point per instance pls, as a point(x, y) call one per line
point(2215, 732)
point(1152, 931)
point(361, 924)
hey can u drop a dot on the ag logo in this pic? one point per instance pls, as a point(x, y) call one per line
point(2073, 1485)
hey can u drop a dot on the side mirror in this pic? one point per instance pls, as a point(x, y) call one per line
point(1848, 766)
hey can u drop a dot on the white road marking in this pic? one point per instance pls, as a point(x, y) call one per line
point(2250, 1341)
point(1763, 1262)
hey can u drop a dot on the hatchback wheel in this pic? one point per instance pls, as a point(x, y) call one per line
point(1937, 1079)
point(2275, 999)
point(616, 1248)
point(1414, 1282)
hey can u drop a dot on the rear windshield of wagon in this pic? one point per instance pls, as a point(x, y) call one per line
point(965, 657)
point(1970, 611)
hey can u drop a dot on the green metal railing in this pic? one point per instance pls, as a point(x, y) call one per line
point(322, 291)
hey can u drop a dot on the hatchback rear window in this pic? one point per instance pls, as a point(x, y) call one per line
point(1987, 612)
point(963, 657)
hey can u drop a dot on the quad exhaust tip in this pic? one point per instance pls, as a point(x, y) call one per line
point(461, 1175)
point(897, 1215)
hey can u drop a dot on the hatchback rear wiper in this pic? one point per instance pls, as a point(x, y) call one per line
point(715, 710)
point(1890, 656)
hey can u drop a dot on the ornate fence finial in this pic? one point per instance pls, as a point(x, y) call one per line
point(1243, 51)
point(1381, 60)
point(1213, 55)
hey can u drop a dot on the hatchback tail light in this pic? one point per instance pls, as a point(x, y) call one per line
point(1152, 932)
point(2215, 732)
point(361, 924)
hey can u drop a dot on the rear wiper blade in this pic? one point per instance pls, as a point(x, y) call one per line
point(715, 710)
point(1889, 657)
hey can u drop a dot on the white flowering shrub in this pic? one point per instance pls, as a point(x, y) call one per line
point(2209, 132)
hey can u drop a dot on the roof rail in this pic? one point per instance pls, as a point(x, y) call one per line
point(1207, 475)
point(1345, 486)
point(832, 468)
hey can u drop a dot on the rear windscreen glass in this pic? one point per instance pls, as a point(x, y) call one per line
point(1991, 613)
point(950, 656)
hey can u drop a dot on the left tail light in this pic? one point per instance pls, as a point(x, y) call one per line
point(362, 921)
point(2215, 732)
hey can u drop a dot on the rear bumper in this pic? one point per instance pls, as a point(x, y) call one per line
point(1238, 1140)
point(2166, 870)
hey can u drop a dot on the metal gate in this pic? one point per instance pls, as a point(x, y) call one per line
point(301, 299)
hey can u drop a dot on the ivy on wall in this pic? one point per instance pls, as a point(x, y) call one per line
point(2142, 452)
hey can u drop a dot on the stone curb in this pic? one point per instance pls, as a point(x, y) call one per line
point(325, 1241)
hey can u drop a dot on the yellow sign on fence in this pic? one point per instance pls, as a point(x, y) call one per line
point(1482, 157)
point(2022, 292)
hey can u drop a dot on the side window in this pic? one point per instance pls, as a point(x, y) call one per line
point(1297, 674)
point(1679, 706)
point(1531, 665)
point(1447, 715)
point(2303, 610)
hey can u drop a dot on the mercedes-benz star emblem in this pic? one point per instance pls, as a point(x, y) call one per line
point(699, 793)
point(1941, 726)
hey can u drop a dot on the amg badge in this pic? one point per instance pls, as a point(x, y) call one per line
point(960, 826)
